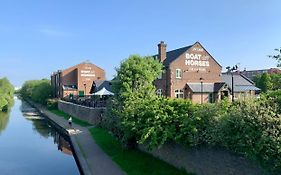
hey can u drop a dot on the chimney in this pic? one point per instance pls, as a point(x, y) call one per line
point(162, 51)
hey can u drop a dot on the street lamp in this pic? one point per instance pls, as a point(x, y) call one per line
point(201, 81)
point(230, 70)
point(85, 88)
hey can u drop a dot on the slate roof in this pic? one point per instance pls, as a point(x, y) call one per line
point(240, 82)
point(173, 55)
point(99, 84)
point(207, 87)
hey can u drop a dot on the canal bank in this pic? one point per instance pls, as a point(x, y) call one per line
point(90, 158)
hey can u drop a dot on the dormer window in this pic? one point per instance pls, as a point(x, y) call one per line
point(178, 73)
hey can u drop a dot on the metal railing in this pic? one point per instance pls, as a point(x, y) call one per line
point(88, 101)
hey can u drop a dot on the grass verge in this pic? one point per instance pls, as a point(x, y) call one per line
point(133, 162)
point(74, 119)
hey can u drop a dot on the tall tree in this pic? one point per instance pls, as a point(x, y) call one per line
point(277, 57)
point(135, 77)
point(134, 92)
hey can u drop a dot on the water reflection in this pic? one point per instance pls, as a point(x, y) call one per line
point(29, 145)
point(4, 119)
point(43, 127)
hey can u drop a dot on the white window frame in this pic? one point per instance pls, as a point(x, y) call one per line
point(159, 92)
point(178, 73)
point(179, 93)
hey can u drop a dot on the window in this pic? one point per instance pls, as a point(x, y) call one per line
point(161, 74)
point(211, 98)
point(178, 73)
point(159, 92)
point(179, 93)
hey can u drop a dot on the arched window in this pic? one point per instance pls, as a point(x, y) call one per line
point(179, 93)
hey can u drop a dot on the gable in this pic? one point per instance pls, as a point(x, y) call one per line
point(197, 59)
point(174, 54)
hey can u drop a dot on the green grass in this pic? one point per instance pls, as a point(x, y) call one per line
point(74, 119)
point(133, 162)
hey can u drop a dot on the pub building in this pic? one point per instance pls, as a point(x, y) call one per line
point(191, 72)
point(76, 80)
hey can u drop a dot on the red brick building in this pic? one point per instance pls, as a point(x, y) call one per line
point(76, 80)
point(190, 72)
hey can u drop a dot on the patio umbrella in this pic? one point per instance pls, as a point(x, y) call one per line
point(103, 91)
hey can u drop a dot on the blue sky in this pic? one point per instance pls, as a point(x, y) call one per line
point(41, 36)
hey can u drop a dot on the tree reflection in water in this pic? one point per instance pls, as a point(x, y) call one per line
point(4, 119)
point(44, 128)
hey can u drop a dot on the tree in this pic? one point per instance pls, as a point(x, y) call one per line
point(277, 57)
point(276, 81)
point(134, 91)
point(135, 77)
point(37, 90)
point(268, 82)
point(263, 82)
point(6, 94)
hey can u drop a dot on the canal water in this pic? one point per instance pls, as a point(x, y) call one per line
point(30, 145)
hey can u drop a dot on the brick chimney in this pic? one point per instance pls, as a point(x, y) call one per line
point(162, 51)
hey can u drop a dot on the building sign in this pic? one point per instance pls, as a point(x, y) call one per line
point(87, 73)
point(196, 60)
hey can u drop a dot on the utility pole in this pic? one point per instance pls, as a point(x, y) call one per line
point(201, 81)
point(231, 70)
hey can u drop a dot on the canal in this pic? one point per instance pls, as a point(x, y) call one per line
point(30, 145)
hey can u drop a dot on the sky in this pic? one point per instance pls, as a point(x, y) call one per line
point(38, 37)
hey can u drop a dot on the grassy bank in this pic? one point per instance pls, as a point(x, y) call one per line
point(74, 119)
point(132, 161)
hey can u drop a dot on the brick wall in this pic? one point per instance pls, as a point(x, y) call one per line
point(205, 160)
point(91, 115)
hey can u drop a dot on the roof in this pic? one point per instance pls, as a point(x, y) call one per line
point(174, 54)
point(75, 66)
point(262, 70)
point(206, 87)
point(103, 91)
point(99, 84)
point(240, 82)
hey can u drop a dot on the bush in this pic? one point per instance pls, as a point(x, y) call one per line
point(52, 104)
point(253, 128)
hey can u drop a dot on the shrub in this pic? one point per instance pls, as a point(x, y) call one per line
point(253, 128)
point(52, 104)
